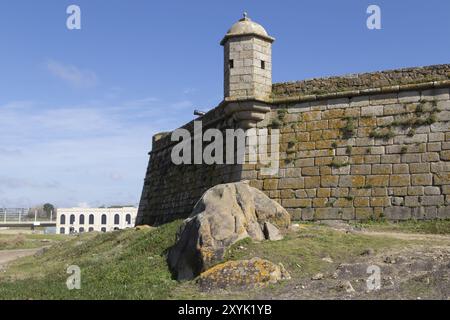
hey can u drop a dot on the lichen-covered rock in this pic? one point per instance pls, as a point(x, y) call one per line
point(243, 274)
point(271, 232)
point(224, 215)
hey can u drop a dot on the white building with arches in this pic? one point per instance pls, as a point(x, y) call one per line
point(79, 220)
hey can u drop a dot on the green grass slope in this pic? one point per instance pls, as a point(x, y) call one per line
point(131, 264)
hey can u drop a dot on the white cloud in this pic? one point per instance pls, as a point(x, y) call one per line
point(95, 152)
point(73, 75)
point(83, 205)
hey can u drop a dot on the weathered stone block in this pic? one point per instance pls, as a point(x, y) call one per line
point(287, 194)
point(399, 180)
point(379, 191)
point(310, 171)
point(372, 159)
point(432, 200)
point(394, 109)
point(270, 184)
point(378, 180)
point(323, 161)
point(379, 201)
point(382, 99)
point(397, 213)
point(328, 213)
point(390, 158)
point(409, 96)
point(430, 157)
point(291, 183)
point(416, 191)
point(312, 182)
point(419, 167)
point(307, 214)
point(351, 181)
point(410, 158)
point(299, 107)
point(323, 192)
point(444, 213)
point(445, 155)
point(361, 169)
point(329, 181)
point(320, 202)
point(359, 101)
point(436, 136)
point(361, 202)
point(296, 203)
point(400, 168)
point(412, 201)
point(441, 178)
point(378, 169)
point(435, 94)
point(424, 213)
point(304, 162)
point(339, 192)
point(424, 179)
point(341, 171)
point(360, 192)
point(429, 191)
point(292, 173)
point(296, 213)
point(398, 191)
point(363, 213)
point(372, 110)
point(312, 115)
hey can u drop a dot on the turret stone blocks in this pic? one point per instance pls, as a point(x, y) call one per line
point(244, 58)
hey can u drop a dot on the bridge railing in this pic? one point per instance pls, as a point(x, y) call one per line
point(23, 215)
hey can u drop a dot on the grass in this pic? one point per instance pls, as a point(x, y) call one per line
point(27, 241)
point(336, 164)
point(385, 134)
point(130, 264)
point(126, 264)
point(410, 226)
point(349, 130)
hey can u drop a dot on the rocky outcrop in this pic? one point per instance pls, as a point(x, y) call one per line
point(243, 274)
point(224, 215)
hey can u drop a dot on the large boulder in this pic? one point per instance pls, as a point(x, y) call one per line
point(242, 274)
point(224, 215)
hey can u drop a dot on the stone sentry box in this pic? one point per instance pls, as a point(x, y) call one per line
point(356, 147)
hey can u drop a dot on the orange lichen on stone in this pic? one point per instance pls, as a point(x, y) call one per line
point(242, 274)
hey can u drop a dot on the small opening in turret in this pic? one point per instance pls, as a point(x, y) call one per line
point(263, 64)
point(231, 64)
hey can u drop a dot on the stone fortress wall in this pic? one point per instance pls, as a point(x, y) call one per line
point(364, 156)
point(355, 147)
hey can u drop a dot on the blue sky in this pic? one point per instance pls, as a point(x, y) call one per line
point(78, 108)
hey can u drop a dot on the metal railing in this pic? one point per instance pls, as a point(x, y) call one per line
point(8, 215)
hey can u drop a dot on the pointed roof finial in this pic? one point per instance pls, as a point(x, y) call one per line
point(245, 14)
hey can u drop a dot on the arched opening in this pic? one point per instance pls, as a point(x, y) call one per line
point(62, 219)
point(91, 229)
point(62, 230)
point(103, 218)
point(82, 219)
point(72, 219)
point(116, 219)
point(91, 219)
point(128, 218)
point(103, 229)
point(81, 230)
point(71, 230)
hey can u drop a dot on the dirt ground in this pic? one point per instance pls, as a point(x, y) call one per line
point(418, 271)
point(7, 256)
